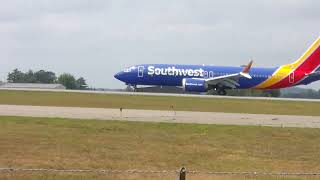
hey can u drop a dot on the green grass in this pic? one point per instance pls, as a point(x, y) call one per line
point(89, 144)
point(159, 103)
point(86, 176)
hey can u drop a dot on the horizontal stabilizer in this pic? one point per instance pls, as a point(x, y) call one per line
point(247, 68)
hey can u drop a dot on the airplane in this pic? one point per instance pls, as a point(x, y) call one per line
point(202, 78)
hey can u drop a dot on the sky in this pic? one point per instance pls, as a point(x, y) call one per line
point(97, 38)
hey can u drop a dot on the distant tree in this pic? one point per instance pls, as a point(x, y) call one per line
point(41, 76)
point(46, 77)
point(253, 92)
point(273, 93)
point(29, 77)
point(300, 93)
point(16, 76)
point(81, 83)
point(68, 81)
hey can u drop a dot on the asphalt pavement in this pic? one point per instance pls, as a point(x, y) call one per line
point(162, 116)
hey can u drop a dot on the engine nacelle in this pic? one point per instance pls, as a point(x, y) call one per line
point(194, 85)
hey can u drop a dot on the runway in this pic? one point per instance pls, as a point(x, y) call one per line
point(162, 116)
point(162, 94)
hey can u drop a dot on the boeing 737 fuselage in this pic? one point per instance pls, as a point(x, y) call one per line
point(201, 78)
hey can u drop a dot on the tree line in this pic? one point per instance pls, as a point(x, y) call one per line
point(302, 93)
point(46, 77)
point(255, 92)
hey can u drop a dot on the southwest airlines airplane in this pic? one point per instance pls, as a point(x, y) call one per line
point(201, 78)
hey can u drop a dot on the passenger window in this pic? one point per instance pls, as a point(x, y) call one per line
point(211, 74)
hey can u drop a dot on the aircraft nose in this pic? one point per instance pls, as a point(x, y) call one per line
point(117, 76)
point(121, 76)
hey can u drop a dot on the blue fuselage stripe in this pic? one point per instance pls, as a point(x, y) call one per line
point(172, 75)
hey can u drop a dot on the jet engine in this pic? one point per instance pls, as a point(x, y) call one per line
point(194, 85)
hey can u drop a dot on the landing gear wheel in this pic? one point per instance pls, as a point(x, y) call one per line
point(131, 88)
point(135, 89)
point(222, 92)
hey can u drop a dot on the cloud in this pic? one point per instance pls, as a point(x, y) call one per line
point(97, 38)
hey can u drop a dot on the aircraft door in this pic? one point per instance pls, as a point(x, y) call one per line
point(140, 71)
point(206, 75)
point(291, 78)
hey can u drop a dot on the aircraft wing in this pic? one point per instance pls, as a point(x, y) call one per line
point(230, 80)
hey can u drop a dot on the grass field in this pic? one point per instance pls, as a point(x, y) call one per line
point(89, 144)
point(159, 103)
point(55, 176)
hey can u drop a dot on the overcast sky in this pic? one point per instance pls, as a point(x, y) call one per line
point(97, 38)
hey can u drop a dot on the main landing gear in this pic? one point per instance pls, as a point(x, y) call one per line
point(221, 91)
point(217, 91)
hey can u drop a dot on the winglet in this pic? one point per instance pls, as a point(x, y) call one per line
point(247, 68)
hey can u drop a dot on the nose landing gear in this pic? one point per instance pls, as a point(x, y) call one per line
point(132, 88)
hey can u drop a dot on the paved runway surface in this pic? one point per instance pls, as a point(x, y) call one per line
point(162, 116)
point(163, 94)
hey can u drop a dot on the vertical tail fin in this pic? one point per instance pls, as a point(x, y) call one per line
point(290, 74)
point(310, 60)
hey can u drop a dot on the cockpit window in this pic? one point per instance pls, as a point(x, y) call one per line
point(129, 69)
